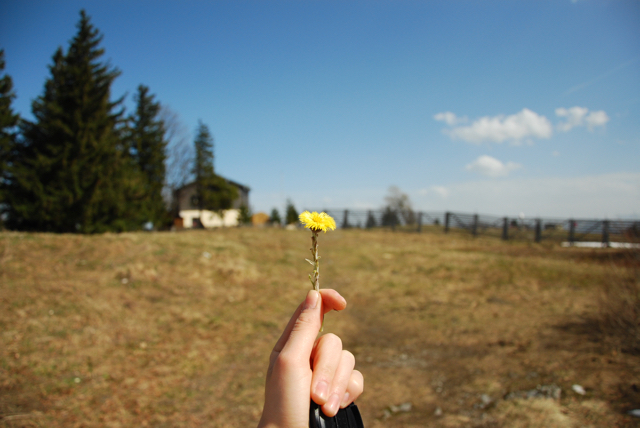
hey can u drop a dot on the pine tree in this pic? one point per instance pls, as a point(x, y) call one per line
point(371, 220)
point(390, 217)
point(275, 217)
point(8, 123)
point(212, 191)
point(67, 176)
point(147, 153)
point(291, 214)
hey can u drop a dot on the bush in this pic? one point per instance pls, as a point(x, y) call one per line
point(244, 216)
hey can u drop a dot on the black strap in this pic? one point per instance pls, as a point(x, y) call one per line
point(349, 417)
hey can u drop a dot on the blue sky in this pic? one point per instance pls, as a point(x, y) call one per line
point(494, 107)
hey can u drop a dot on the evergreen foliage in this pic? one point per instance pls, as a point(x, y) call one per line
point(371, 220)
point(390, 217)
point(275, 217)
point(147, 155)
point(81, 166)
point(291, 216)
point(8, 123)
point(67, 175)
point(212, 191)
point(244, 216)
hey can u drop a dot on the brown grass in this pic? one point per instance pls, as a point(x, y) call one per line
point(620, 304)
point(174, 329)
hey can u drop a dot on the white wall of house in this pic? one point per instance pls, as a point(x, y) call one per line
point(209, 218)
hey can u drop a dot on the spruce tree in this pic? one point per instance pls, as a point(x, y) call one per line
point(275, 217)
point(8, 125)
point(212, 191)
point(291, 214)
point(371, 220)
point(147, 153)
point(68, 173)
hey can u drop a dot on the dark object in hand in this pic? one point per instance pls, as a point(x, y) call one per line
point(349, 417)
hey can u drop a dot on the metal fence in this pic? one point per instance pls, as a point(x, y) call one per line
point(572, 231)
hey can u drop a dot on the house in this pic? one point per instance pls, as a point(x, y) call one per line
point(193, 217)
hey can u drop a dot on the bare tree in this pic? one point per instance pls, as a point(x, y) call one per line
point(180, 155)
point(399, 203)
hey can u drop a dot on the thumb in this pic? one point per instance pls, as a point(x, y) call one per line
point(300, 334)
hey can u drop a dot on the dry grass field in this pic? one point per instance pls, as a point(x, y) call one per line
point(174, 329)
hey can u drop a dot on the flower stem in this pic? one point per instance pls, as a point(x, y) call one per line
point(315, 280)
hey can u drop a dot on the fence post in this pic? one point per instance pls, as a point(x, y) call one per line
point(345, 220)
point(474, 228)
point(538, 230)
point(420, 222)
point(572, 231)
point(505, 229)
point(605, 233)
point(447, 216)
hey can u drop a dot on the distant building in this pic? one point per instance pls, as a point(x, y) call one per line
point(193, 217)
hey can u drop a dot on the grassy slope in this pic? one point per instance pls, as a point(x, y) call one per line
point(174, 329)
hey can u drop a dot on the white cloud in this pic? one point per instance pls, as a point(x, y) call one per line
point(491, 167)
point(580, 116)
point(450, 118)
point(441, 191)
point(524, 125)
point(614, 195)
point(596, 118)
point(595, 196)
point(575, 117)
point(514, 128)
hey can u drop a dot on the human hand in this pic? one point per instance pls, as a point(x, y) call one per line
point(302, 367)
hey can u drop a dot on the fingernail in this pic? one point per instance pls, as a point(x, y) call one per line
point(345, 400)
point(322, 388)
point(333, 404)
point(312, 300)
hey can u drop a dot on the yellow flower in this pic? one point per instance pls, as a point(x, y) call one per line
point(317, 222)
